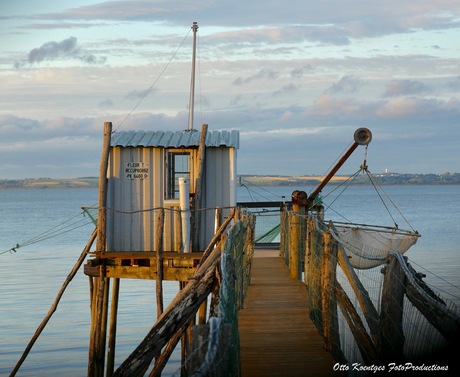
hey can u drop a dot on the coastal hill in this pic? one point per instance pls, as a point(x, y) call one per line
point(254, 180)
point(382, 179)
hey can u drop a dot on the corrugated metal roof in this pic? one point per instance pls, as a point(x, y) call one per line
point(174, 139)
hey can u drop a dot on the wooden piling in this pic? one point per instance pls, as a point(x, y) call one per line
point(391, 313)
point(299, 202)
point(314, 275)
point(159, 250)
point(103, 326)
point(328, 296)
point(363, 340)
point(296, 236)
point(198, 189)
point(99, 316)
point(307, 251)
point(283, 235)
point(113, 327)
point(370, 313)
point(102, 195)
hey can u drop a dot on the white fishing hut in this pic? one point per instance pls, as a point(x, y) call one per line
point(144, 172)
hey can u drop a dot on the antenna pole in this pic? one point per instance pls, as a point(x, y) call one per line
point(192, 82)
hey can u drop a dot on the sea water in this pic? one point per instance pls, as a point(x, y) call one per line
point(50, 222)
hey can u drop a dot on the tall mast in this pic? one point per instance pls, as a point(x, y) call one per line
point(192, 82)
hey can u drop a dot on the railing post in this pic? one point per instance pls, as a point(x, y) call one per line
point(307, 251)
point(299, 202)
point(283, 226)
point(314, 275)
point(391, 331)
point(328, 296)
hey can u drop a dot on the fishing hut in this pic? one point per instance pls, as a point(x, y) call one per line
point(162, 195)
point(178, 171)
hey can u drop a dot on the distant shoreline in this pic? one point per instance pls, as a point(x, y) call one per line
point(253, 180)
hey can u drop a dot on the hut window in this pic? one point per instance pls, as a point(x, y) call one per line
point(178, 166)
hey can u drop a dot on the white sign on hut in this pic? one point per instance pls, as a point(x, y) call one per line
point(145, 171)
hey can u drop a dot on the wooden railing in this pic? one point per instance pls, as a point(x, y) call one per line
point(382, 311)
point(220, 280)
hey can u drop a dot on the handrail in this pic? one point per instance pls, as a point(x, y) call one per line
point(364, 311)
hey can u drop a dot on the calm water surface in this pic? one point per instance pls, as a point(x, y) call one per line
point(31, 277)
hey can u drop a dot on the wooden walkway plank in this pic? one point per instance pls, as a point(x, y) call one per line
point(277, 337)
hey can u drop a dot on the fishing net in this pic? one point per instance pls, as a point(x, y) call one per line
point(368, 247)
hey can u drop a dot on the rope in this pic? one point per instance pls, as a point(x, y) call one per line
point(261, 189)
point(375, 184)
point(154, 83)
point(55, 231)
point(249, 191)
point(349, 180)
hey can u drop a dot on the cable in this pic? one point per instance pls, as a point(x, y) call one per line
point(52, 232)
point(154, 83)
point(349, 180)
point(375, 184)
point(260, 188)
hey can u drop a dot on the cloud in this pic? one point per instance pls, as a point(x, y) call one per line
point(52, 50)
point(65, 49)
point(288, 88)
point(296, 78)
point(107, 103)
point(405, 87)
point(347, 84)
point(422, 110)
point(14, 128)
point(454, 83)
point(138, 94)
point(329, 106)
point(264, 73)
point(353, 18)
point(270, 36)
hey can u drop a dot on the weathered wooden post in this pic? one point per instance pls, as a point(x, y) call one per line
point(198, 189)
point(102, 195)
point(159, 250)
point(307, 251)
point(328, 296)
point(314, 274)
point(370, 313)
point(113, 327)
point(99, 316)
point(299, 203)
point(391, 332)
point(283, 226)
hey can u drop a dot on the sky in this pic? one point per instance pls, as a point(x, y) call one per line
point(295, 77)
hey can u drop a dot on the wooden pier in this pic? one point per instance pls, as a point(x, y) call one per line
point(277, 338)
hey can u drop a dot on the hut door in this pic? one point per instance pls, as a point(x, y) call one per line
point(178, 166)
